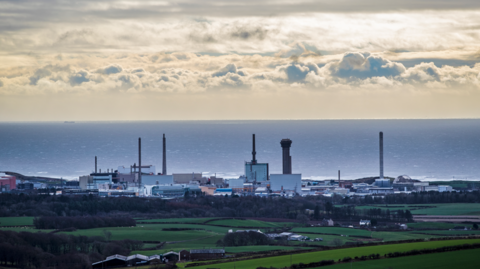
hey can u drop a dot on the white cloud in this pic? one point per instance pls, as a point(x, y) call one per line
point(188, 73)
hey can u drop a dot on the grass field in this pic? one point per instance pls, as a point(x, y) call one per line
point(179, 220)
point(455, 259)
point(434, 225)
point(147, 232)
point(227, 249)
point(252, 223)
point(450, 209)
point(439, 209)
point(16, 221)
point(285, 260)
point(332, 230)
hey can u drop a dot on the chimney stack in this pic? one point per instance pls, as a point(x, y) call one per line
point(164, 165)
point(254, 160)
point(140, 161)
point(381, 155)
point(95, 164)
point(339, 185)
point(287, 159)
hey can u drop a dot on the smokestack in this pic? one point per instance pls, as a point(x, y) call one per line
point(95, 164)
point(287, 159)
point(254, 160)
point(164, 165)
point(140, 161)
point(381, 155)
point(339, 185)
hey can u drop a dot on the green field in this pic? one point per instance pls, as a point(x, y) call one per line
point(455, 259)
point(332, 230)
point(179, 220)
point(434, 225)
point(450, 209)
point(16, 221)
point(227, 249)
point(282, 261)
point(148, 232)
point(438, 209)
point(252, 223)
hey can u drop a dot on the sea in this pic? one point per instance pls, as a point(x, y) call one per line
point(443, 149)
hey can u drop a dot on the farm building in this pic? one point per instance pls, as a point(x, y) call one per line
point(203, 254)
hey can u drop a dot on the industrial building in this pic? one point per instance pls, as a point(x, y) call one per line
point(255, 171)
point(187, 178)
point(286, 182)
point(7, 182)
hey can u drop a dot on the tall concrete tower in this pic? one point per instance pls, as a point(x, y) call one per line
point(381, 155)
point(139, 162)
point(95, 164)
point(164, 165)
point(254, 159)
point(287, 159)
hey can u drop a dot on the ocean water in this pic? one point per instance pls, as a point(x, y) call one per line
point(422, 149)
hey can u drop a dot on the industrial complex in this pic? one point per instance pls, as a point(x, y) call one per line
point(143, 180)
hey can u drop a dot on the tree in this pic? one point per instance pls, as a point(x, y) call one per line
point(408, 215)
point(336, 242)
point(328, 207)
point(373, 222)
point(107, 235)
point(475, 226)
point(316, 212)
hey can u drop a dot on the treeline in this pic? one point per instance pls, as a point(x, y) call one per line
point(209, 206)
point(44, 250)
point(249, 238)
point(84, 222)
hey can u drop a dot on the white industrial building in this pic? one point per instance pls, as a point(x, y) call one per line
point(157, 180)
point(286, 182)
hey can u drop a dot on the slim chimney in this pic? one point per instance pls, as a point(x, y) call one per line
point(164, 165)
point(381, 155)
point(254, 160)
point(140, 161)
point(339, 185)
point(95, 164)
point(287, 159)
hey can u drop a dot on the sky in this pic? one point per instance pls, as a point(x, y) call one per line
point(92, 60)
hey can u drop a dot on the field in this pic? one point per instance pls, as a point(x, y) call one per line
point(456, 259)
point(252, 223)
point(434, 225)
point(227, 249)
point(178, 220)
point(16, 221)
point(437, 209)
point(286, 260)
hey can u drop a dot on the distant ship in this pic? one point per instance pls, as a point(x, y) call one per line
point(69, 122)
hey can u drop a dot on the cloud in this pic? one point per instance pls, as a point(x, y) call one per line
point(365, 65)
point(1, 83)
point(229, 68)
point(112, 69)
point(40, 73)
point(78, 78)
point(190, 73)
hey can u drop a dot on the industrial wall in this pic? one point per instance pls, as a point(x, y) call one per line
point(291, 182)
point(256, 172)
point(157, 180)
point(236, 183)
point(186, 178)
